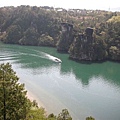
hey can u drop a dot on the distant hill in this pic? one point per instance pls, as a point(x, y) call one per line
point(87, 35)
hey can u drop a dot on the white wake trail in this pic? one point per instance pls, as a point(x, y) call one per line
point(53, 58)
point(48, 56)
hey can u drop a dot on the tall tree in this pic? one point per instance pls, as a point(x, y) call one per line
point(14, 104)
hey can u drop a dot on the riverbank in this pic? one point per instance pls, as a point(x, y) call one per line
point(33, 97)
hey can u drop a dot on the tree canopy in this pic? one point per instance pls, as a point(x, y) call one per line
point(14, 104)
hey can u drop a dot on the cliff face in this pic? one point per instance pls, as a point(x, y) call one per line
point(86, 48)
point(96, 47)
point(66, 37)
point(92, 45)
point(81, 48)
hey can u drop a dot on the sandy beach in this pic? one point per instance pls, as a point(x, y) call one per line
point(33, 97)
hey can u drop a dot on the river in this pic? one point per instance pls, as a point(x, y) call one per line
point(83, 89)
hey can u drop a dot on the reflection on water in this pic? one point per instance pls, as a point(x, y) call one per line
point(83, 73)
point(84, 89)
point(110, 71)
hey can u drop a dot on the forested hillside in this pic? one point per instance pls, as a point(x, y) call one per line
point(87, 35)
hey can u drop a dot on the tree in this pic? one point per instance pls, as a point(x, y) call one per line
point(64, 115)
point(90, 118)
point(30, 37)
point(36, 114)
point(13, 35)
point(14, 104)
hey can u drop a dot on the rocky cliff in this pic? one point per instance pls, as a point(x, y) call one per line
point(96, 44)
point(66, 38)
point(86, 48)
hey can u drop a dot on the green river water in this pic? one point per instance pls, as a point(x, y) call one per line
point(84, 89)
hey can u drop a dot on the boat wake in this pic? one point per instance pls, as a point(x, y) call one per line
point(48, 56)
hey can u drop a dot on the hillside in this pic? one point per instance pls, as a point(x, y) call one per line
point(87, 35)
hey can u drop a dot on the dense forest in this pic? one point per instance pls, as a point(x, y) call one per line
point(87, 35)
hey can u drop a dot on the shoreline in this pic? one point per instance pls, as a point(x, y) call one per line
point(32, 97)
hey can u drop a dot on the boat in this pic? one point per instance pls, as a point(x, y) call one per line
point(58, 60)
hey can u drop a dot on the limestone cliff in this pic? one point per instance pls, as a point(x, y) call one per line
point(86, 48)
point(66, 37)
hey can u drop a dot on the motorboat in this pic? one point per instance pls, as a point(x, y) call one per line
point(58, 60)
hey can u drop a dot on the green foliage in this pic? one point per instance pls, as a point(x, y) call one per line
point(13, 34)
point(90, 118)
point(24, 25)
point(51, 117)
point(36, 114)
point(34, 104)
point(14, 104)
point(100, 52)
point(45, 40)
point(64, 115)
point(30, 37)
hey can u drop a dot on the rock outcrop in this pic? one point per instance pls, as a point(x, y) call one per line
point(86, 48)
point(66, 37)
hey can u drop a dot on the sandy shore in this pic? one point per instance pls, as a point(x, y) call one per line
point(33, 97)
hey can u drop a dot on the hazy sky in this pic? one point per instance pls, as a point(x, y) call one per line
point(81, 4)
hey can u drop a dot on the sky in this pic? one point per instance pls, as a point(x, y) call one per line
point(67, 4)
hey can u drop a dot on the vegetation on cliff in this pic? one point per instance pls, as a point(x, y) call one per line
point(26, 25)
point(97, 44)
point(65, 29)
